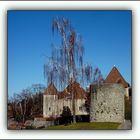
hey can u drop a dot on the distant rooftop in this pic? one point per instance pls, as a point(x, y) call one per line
point(67, 92)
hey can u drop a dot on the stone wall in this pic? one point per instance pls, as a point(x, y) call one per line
point(50, 106)
point(79, 106)
point(53, 107)
point(42, 123)
point(107, 103)
point(127, 93)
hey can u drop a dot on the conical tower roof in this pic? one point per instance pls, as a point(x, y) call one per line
point(115, 77)
point(51, 90)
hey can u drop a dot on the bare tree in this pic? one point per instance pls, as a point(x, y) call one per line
point(31, 102)
point(27, 103)
point(23, 99)
point(66, 65)
point(12, 102)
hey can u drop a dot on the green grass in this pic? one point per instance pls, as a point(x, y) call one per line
point(86, 126)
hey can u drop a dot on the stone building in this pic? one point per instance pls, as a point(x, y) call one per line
point(115, 77)
point(107, 103)
point(54, 101)
point(50, 102)
point(106, 100)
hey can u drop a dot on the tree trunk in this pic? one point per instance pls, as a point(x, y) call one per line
point(73, 105)
point(74, 115)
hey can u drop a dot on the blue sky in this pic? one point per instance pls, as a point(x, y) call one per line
point(106, 38)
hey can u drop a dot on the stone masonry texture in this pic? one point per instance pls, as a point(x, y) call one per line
point(107, 103)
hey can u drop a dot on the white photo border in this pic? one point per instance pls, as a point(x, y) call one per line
point(70, 5)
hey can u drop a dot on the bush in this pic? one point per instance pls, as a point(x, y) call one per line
point(29, 127)
point(18, 118)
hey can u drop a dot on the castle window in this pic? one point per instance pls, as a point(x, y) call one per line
point(80, 108)
point(49, 109)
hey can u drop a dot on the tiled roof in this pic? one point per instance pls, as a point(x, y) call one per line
point(115, 77)
point(78, 91)
point(51, 90)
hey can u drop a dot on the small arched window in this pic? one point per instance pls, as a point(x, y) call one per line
point(80, 108)
point(49, 109)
